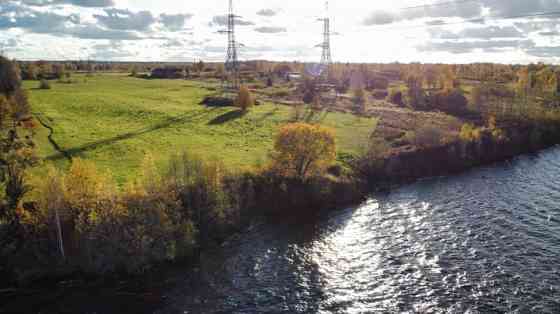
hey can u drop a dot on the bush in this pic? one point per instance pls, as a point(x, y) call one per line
point(428, 136)
point(281, 93)
point(360, 100)
point(470, 133)
point(450, 101)
point(396, 97)
point(44, 84)
point(10, 79)
point(244, 99)
point(302, 150)
point(380, 94)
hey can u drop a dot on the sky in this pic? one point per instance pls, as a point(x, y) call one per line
point(374, 31)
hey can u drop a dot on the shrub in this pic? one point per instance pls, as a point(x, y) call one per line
point(10, 79)
point(428, 136)
point(470, 133)
point(244, 99)
point(380, 94)
point(450, 101)
point(396, 97)
point(360, 100)
point(44, 84)
point(281, 93)
point(302, 150)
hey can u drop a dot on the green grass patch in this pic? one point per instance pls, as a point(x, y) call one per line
point(115, 120)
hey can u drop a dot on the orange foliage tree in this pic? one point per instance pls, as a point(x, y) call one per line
point(302, 149)
point(244, 99)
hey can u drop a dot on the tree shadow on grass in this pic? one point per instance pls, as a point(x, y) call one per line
point(184, 118)
point(227, 117)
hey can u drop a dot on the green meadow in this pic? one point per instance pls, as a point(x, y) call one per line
point(114, 120)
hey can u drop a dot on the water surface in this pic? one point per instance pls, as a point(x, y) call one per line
point(487, 241)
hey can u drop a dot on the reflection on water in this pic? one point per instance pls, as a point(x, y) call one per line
point(485, 241)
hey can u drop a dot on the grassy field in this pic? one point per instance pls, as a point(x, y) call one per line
point(115, 120)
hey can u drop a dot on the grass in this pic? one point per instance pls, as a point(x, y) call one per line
point(115, 120)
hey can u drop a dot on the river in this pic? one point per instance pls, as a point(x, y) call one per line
point(485, 241)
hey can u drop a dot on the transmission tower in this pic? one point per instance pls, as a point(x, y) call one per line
point(232, 62)
point(326, 59)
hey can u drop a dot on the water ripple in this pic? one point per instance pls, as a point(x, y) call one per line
point(487, 241)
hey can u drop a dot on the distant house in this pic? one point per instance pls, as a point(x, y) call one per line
point(293, 76)
point(168, 73)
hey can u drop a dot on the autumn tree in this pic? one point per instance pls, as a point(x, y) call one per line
point(415, 93)
point(360, 100)
point(302, 150)
point(16, 145)
point(199, 66)
point(448, 77)
point(10, 79)
point(244, 99)
point(309, 89)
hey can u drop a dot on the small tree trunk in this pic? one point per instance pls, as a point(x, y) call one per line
point(59, 234)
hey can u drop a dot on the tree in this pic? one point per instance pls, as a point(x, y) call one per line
point(59, 71)
point(244, 99)
point(309, 87)
point(134, 71)
point(302, 150)
point(16, 151)
point(30, 72)
point(396, 97)
point(282, 70)
point(10, 79)
point(199, 66)
point(360, 100)
point(416, 95)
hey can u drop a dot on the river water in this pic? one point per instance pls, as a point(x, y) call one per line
point(486, 241)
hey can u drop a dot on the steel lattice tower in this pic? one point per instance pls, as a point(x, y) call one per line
point(232, 62)
point(326, 58)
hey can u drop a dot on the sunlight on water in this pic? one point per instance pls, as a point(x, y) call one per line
point(483, 242)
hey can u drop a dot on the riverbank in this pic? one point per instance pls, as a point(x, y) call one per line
point(409, 163)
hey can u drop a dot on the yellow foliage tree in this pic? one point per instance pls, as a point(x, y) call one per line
point(244, 99)
point(85, 186)
point(301, 150)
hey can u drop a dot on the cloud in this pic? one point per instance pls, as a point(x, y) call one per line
point(267, 12)
point(460, 47)
point(35, 21)
point(536, 26)
point(125, 19)
point(550, 33)
point(270, 29)
point(80, 3)
point(92, 31)
point(222, 20)
point(44, 22)
point(465, 10)
point(174, 22)
point(489, 32)
point(544, 51)
point(112, 51)
point(520, 7)
point(380, 18)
